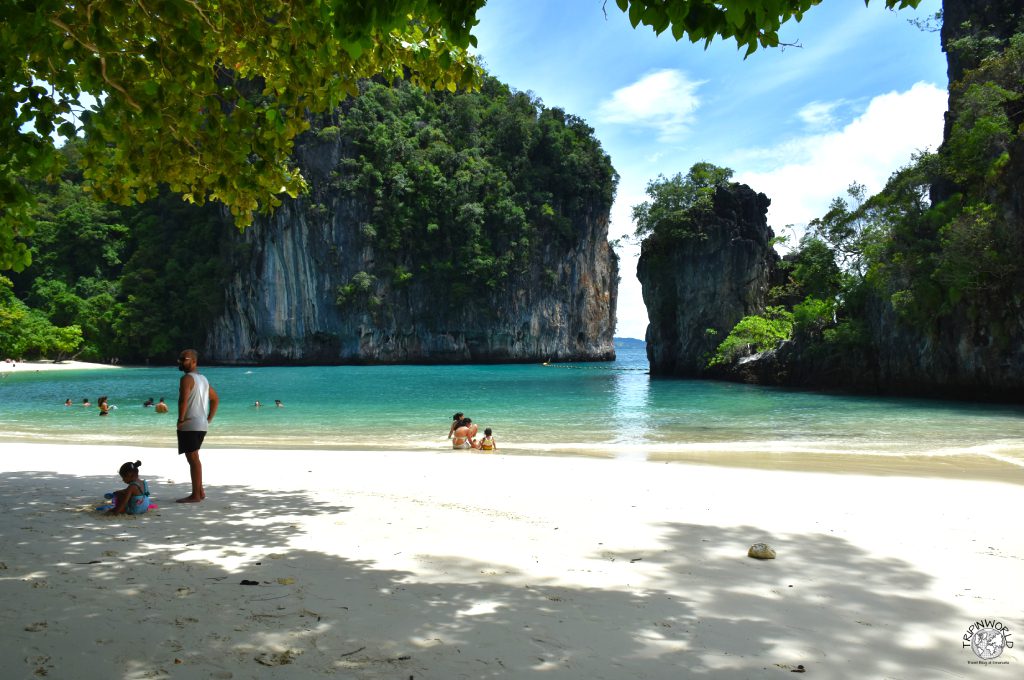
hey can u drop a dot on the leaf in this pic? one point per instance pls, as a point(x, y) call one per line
point(636, 14)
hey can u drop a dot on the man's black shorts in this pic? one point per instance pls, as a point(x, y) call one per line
point(190, 440)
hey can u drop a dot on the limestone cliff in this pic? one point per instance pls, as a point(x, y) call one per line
point(281, 307)
point(696, 288)
point(343, 276)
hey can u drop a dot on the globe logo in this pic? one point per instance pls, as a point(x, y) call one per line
point(987, 643)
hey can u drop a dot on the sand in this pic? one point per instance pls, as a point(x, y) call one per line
point(455, 565)
point(48, 365)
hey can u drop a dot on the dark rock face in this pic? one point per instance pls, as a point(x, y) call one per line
point(971, 21)
point(281, 304)
point(977, 355)
point(962, 357)
point(973, 18)
point(696, 289)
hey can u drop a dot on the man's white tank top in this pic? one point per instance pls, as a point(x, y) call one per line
point(198, 405)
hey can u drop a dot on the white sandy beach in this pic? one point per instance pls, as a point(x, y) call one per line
point(438, 566)
point(48, 365)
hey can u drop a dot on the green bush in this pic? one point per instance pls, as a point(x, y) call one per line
point(756, 333)
point(813, 315)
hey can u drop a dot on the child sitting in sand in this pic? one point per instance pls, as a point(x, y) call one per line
point(133, 499)
point(488, 443)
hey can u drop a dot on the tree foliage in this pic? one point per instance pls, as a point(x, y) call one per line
point(751, 23)
point(679, 203)
point(26, 332)
point(755, 333)
point(207, 96)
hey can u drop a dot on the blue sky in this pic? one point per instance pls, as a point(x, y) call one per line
point(865, 91)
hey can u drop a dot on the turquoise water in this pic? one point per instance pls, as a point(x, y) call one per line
point(612, 409)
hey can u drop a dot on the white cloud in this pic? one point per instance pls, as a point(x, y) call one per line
point(810, 171)
point(663, 100)
point(820, 114)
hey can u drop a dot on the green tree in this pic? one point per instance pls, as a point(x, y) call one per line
point(208, 96)
point(749, 23)
point(678, 203)
point(78, 252)
point(26, 332)
point(755, 333)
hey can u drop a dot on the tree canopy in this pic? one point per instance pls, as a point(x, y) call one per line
point(203, 95)
point(207, 96)
point(678, 204)
point(751, 23)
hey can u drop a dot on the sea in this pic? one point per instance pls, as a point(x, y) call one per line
point(608, 409)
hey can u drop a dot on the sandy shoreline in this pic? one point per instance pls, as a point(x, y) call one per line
point(458, 565)
point(48, 365)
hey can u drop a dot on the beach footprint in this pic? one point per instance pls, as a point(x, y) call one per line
point(277, 658)
point(41, 665)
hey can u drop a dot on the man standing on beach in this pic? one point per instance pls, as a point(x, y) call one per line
point(197, 404)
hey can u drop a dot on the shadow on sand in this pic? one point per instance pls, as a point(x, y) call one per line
point(160, 596)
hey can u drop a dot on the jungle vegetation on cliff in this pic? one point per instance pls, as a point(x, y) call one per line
point(461, 190)
point(455, 191)
point(941, 245)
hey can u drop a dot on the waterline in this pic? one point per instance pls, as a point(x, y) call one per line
point(612, 410)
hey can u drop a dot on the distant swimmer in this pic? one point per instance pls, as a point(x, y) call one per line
point(85, 402)
point(104, 407)
point(67, 402)
point(160, 407)
point(148, 403)
point(257, 404)
point(277, 403)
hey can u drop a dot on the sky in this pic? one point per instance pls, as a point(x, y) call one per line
point(864, 91)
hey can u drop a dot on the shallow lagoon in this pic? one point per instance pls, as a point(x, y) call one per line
point(605, 409)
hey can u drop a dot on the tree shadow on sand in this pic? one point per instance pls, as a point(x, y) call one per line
point(139, 587)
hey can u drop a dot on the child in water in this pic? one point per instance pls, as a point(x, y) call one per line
point(488, 443)
point(133, 499)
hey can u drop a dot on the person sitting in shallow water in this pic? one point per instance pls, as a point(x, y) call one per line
point(456, 419)
point(161, 406)
point(488, 443)
point(462, 438)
